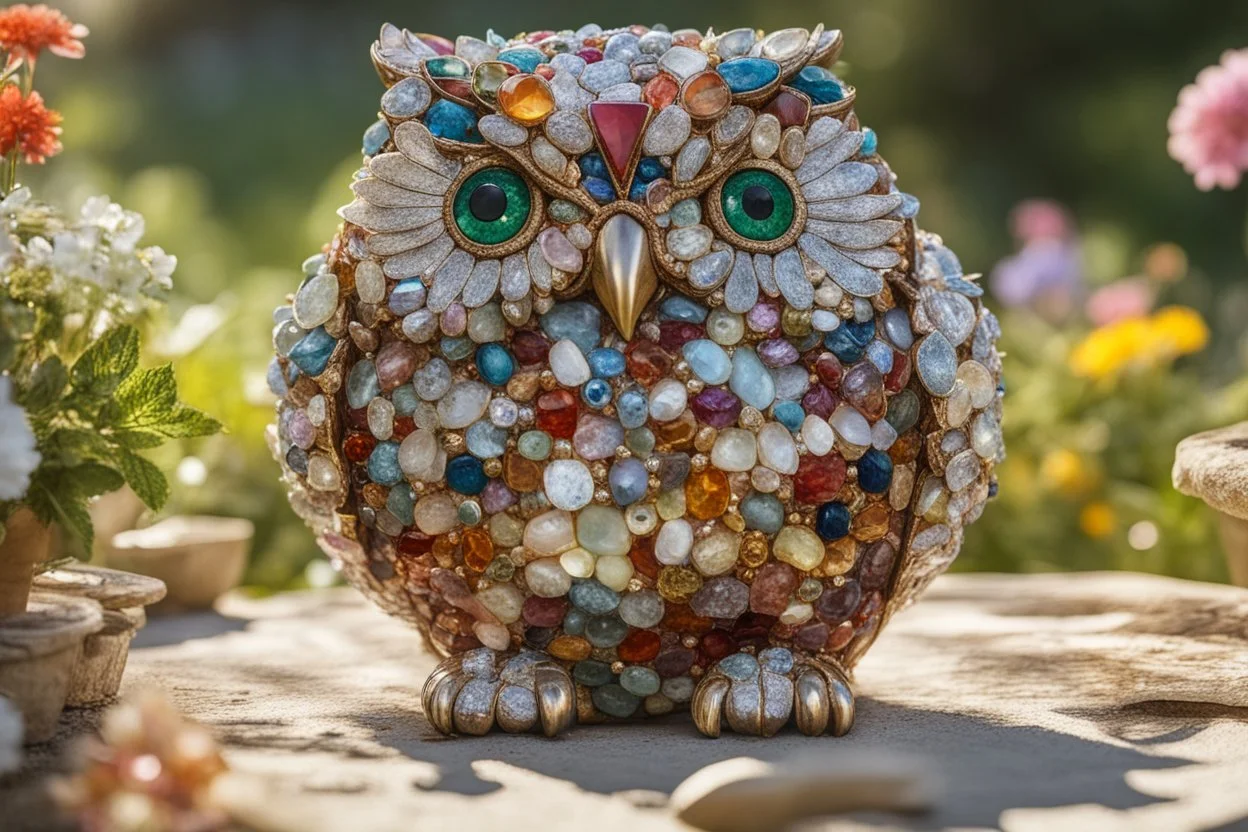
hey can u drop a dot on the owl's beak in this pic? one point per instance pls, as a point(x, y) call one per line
point(623, 274)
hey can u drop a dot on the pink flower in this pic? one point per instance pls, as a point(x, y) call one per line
point(1039, 219)
point(1130, 297)
point(1209, 127)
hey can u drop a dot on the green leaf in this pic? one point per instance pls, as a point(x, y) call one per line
point(91, 479)
point(147, 397)
point(145, 478)
point(104, 364)
point(53, 503)
point(139, 439)
point(47, 385)
point(76, 444)
point(186, 422)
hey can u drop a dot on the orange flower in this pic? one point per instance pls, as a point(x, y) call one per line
point(27, 125)
point(25, 31)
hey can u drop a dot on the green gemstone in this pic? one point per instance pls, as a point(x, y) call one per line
point(504, 226)
point(534, 444)
point(470, 512)
point(765, 228)
point(500, 569)
point(561, 210)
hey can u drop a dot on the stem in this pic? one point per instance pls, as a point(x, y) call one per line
point(10, 172)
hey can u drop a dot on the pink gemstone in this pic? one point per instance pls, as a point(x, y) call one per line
point(716, 407)
point(790, 108)
point(675, 334)
point(819, 401)
point(619, 126)
point(544, 612)
point(395, 364)
point(818, 478)
point(454, 320)
point(438, 44)
point(863, 387)
point(590, 55)
point(764, 317)
point(497, 497)
point(539, 36)
point(773, 584)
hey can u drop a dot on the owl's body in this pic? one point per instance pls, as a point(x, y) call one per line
point(630, 379)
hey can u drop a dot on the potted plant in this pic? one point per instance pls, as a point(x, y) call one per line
point(76, 408)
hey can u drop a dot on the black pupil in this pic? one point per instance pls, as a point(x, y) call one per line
point(488, 202)
point(757, 203)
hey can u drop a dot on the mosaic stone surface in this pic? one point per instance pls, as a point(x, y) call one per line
point(765, 450)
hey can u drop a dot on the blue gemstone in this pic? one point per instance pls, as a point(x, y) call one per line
point(748, 74)
point(574, 622)
point(601, 190)
point(739, 666)
point(832, 521)
point(495, 364)
point(808, 341)
point(637, 193)
point(592, 164)
point(311, 354)
point(963, 287)
point(457, 349)
point(404, 399)
point(375, 137)
point(593, 597)
point(681, 308)
point(708, 360)
point(577, 321)
point(848, 341)
point(993, 488)
point(789, 414)
point(596, 393)
point(909, 206)
point(881, 356)
point(870, 142)
point(297, 460)
point(875, 472)
point(383, 464)
point(362, 384)
point(762, 512)
point(820, 84)
point(400, 503)
point(448, 120)
point(632, 408)
point(407, 296)
point(526, 59)
point(650, 169)
point(466, 475)
point(776, 659)
point(277, 382)
point(628, 480)
point(605, 362)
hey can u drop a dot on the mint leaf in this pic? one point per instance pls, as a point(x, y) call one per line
point(53, 503)
point(186, 422)
point(104, 364)
point(139, 439)
point(47, 384)
point(91, 479)
point(147, 397)
point(145, 478)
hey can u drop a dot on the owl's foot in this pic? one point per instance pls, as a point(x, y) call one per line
point(472, 692)
point(759, 694)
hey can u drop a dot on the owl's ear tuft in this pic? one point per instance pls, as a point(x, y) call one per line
point(398, 53)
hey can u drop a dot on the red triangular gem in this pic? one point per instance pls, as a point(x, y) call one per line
point(618, 125)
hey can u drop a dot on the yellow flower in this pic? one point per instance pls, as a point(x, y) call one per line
point(1064, 471)
point(1179, 330)
point(1148, 341)
point(1097, 520)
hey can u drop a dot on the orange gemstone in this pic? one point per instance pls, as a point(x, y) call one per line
point(706, 95)
point(444, 551)
point(678, 434)
point(691, 39)
point(678, 618)
point(478, 549)
point(639, 646)
point(358, 446)
point(520, 473)
point(661, 90)
point(375, 495)
point(707, 493)
point(642, 556)
point(526, 99)
point(839, 556)
point(906, 448)
point(569, 648)
point(872, 522)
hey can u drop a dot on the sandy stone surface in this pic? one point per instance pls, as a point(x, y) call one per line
point(1214, 467)
point(1094, 701)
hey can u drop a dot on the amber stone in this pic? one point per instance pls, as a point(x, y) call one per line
point(530, 347)
point(478, 549)
point(639, 646)
point(839, 556)
point(647, 362)
point(871, 523)
point(678, 583)
point(642, 556)
point(521, 473)
point(863, 388)
point(678, 434)
point(828, 368)
point(661, 90)
point(679, 618)
point(524, 386)
point(358, 446)
point(899, 376)
point(546, 71)
point(556, 414)
point(543, 612)
point(691, 39)
point(716, 644)
point(773, 584)
point(707, 493)
point(375, 495)
point(569, 648)
point(789, 108)
point(675, 334)
point(706, 95)
point(818, 478)
point(444, 553)
point(906, 448)
point(526, 99)
point(839, 636)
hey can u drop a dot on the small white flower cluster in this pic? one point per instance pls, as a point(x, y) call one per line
point(18, 457)
point(97, 250)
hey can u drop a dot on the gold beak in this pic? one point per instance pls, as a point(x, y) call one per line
point(623, 274)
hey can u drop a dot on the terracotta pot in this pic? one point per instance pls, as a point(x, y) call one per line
point(39, 650)
point(123, 595)
point(198, 558)
point(26, 544)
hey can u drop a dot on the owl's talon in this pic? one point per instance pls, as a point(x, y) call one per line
point(473, 692)
point(760, 695)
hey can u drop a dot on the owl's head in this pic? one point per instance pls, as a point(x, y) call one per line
point(721, 165)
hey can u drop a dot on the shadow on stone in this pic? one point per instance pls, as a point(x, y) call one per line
point(187, 627)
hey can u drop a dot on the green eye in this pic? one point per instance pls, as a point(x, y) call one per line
point(757, 204)
point(492, 206)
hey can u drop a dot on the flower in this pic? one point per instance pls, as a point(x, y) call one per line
point(1065, 472)
point(1047, 274)
point(1179, 330)
point(18, 457)
point(1209, 127)
point(25, 31)
point(1097, 520)
point(1040, 219)
point(1128, 298)
point(1147, 341)
point(27, 125)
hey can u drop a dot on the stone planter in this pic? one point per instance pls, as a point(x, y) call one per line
point(1214, 467)
point(123, 595)
point(39, 650)
point(198, 558)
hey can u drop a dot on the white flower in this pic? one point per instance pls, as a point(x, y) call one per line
point(18, 457)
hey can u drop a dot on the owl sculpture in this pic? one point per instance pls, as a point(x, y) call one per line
point(630, 380)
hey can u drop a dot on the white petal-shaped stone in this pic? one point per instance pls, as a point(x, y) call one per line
point(382, 193)
point(764, 271)
point(502, 131)
point(691, 159)
point(855, 209)
point(683, 62)
point(559, 251)
point(569, 132)
point(873, 258)
point(861, 235)
point(741, 290)
point(790, 274)
point(375, 218)
point(482, 284)
point(844, 180)
point(667, 131)
point(402, 172)
point(421, 261)
point(387, 245)
point(414, 141)
point(515, 276)
point(824, 130)
point(820, 161)
point(852, 277)
point(449, 280)
point(709, 271)
point(818, 436)
point(568, 364)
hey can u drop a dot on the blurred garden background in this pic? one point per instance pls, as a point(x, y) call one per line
point(1034, 134)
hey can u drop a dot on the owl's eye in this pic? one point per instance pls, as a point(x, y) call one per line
point(757, 204)
point(492, 206)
